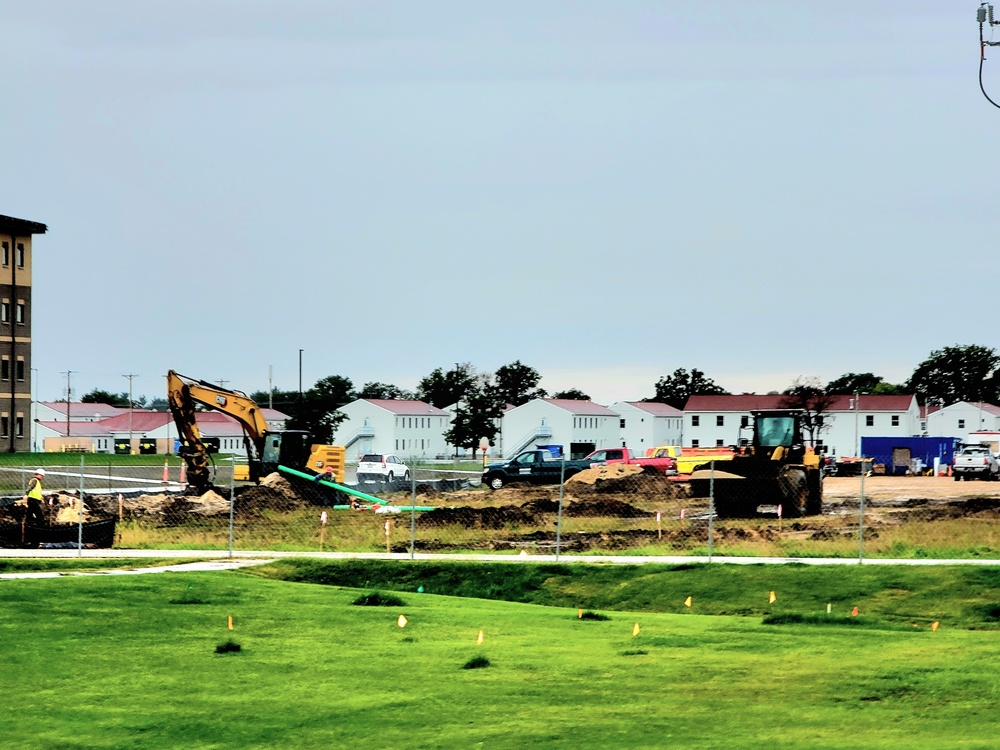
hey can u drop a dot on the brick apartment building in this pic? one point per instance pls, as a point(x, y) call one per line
point(15, 332)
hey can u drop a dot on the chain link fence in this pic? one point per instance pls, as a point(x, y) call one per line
point(141, 502)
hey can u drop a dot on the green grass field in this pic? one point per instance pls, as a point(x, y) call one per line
point(131, 663)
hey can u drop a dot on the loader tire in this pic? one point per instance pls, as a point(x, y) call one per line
point(794, 493)
point(814, 503)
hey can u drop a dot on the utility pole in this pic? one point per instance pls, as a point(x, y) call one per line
point(270, 386)
point(300, 373)
point(857, 443)
point(34, 409)
point(130, 405)
point(69, 391)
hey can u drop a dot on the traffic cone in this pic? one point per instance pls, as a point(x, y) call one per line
point(183, 473)
point(166, 471)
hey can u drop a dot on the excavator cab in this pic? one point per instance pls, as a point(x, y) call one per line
point(286, 448)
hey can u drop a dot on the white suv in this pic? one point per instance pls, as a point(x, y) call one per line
point(381, 467)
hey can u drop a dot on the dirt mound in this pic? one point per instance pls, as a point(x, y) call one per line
point(623, 479)
point(596, 474)
point(481, 518)
point(541, 505)
point(608, 508)
point(274, 492)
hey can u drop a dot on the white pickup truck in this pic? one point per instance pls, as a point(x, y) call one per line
point(975, 461)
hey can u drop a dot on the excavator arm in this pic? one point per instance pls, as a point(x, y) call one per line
point(183, 395)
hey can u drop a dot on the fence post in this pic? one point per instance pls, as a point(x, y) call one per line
point(232, 500)
point(861, 517)
point(413, 509)
point(562, 487)
point(79, 543)
point(711, 505)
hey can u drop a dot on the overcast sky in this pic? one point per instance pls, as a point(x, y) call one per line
point(606, 191)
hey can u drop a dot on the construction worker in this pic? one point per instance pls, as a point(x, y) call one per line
point(327, 476)
point(33, 498)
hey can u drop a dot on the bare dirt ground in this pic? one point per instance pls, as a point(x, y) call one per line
point(901, 489)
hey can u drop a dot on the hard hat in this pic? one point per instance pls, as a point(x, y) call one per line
point(39, 472)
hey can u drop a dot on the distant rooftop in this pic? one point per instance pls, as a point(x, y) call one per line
point(15, 226)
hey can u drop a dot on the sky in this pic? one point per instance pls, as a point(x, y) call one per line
point(604, 191)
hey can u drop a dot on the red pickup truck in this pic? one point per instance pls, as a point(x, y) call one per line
point(664, 464)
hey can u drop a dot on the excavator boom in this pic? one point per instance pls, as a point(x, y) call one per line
point(184, 394)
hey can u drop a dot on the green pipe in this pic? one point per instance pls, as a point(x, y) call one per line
point(349, 491)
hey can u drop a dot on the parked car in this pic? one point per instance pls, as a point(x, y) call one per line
point(666, 465)
point(536, 467)
point(381, 467)
point(975, 461)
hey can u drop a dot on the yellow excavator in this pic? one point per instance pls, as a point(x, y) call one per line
point(266, 449)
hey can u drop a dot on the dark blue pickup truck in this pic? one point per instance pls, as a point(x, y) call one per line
point(536, 467)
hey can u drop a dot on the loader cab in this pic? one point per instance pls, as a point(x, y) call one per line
point(285, 448)
point(774, 429)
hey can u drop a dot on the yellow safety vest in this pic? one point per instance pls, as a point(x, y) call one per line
point(35, 490)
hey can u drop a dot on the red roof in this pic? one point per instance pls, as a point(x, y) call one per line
point(586, 408)
point(743, 402)
point(655, 408)
point(142, 421)
point(406, 408)
point(78, 409)
point(756, 402)
point(988, 408)
point(83, 429)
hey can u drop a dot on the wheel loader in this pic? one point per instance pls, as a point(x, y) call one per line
point(775, 468)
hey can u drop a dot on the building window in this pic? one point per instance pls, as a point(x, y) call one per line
point(621, 423)
point(720, 421)
point(961, 424)
point(718, 443)
point(5, 369)
point(695, 419)
point(870, 420)
point(694, 443)
point(895, 420)
point(19, 426)
point(744, 421)
point(20, 255)
point(20, 369)
point(20, 313)
point(4, 427)
point(5, 312)
point(6, 254)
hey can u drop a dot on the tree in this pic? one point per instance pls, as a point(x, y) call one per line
point(957, 373)
point(442, 388)
point(157, 404)
point(476, 416)
point(315, 411)
point(677, 388)
point(853, 382)
point(862, 382)
point(809, 395)
point(573, 394)
point(98, 396)
point(384, 391)
point(517, 384)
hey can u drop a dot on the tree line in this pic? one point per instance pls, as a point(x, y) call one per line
point(954, 373)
